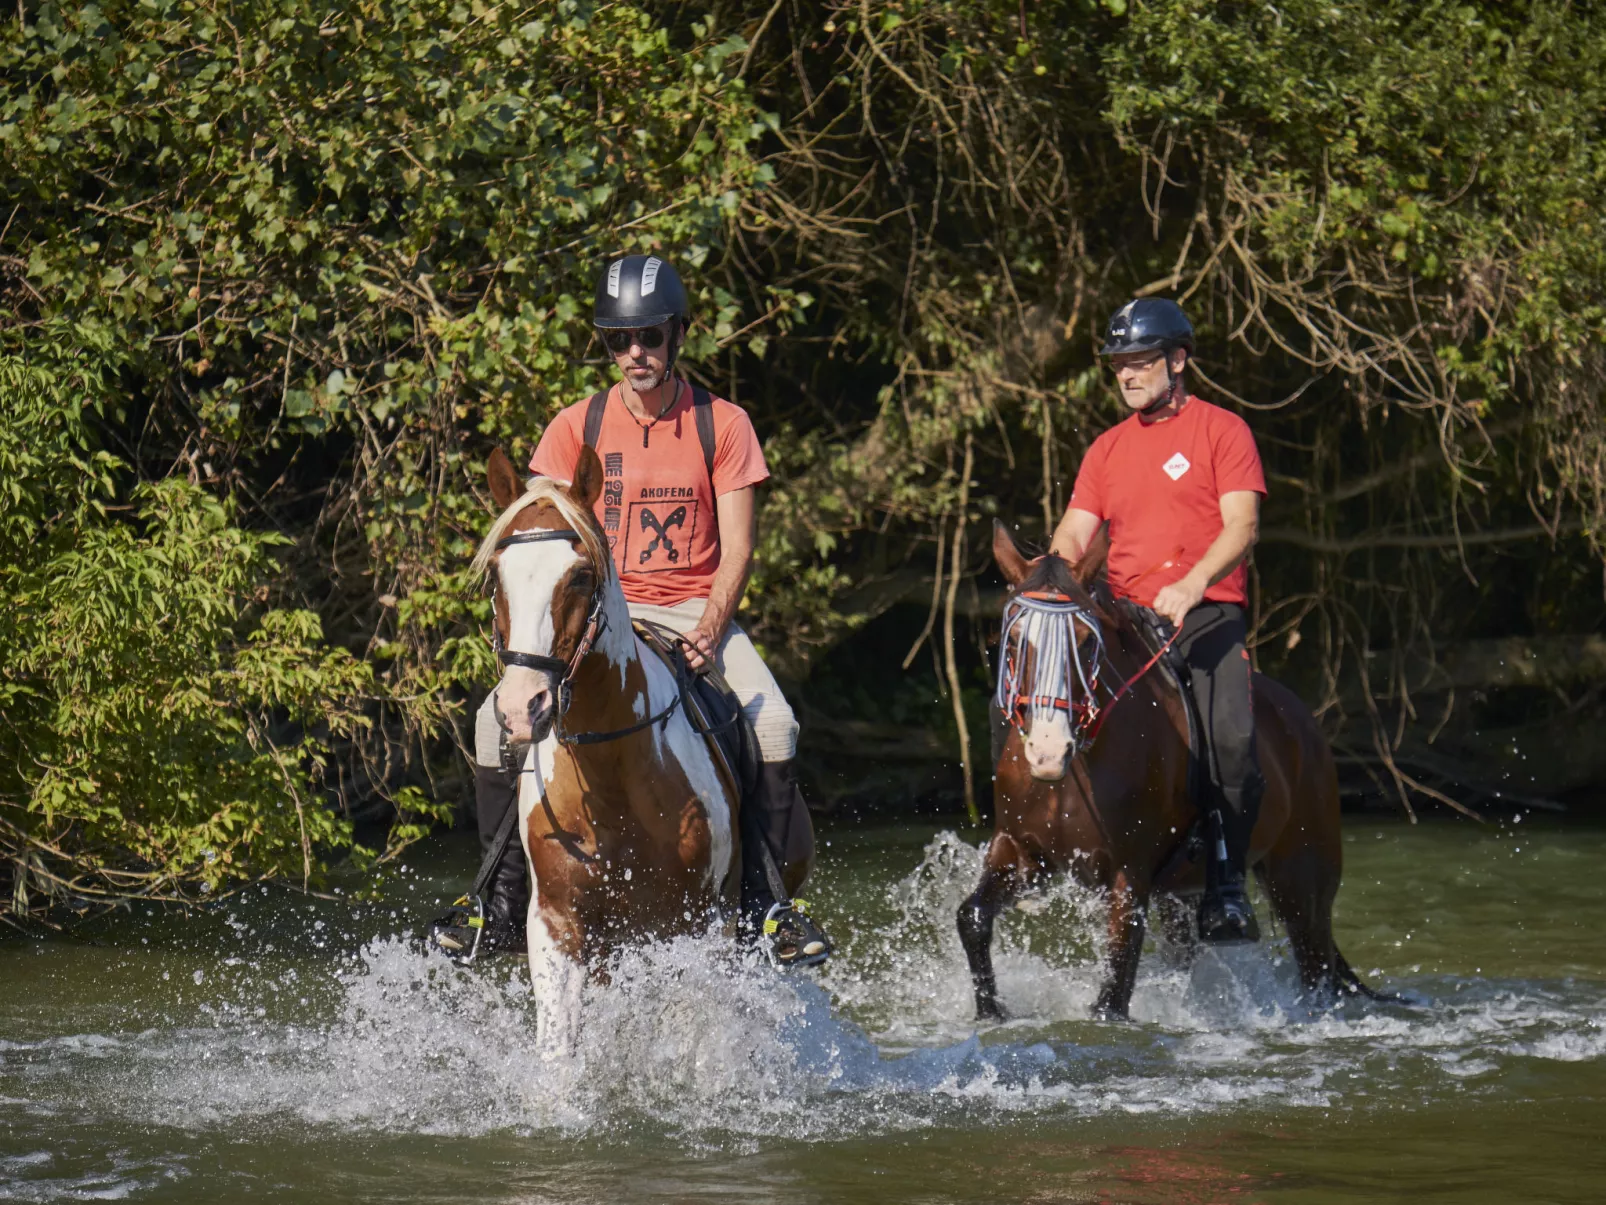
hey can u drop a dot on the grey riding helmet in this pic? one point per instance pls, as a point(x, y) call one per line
point(1147, 324)
point(638, 291)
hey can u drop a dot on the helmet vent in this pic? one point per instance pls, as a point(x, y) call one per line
point(613, 277)
point(649, 275)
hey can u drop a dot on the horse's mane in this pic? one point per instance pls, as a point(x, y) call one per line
point(544, 489)
point(1084, 580)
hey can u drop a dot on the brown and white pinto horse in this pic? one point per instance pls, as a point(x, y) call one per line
point(628, 824)
point(1105, 796)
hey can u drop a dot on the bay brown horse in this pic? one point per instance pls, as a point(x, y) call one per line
point(628, 821)
point(1100, 789)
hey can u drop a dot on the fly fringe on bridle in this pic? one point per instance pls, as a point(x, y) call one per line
point(1060, 681)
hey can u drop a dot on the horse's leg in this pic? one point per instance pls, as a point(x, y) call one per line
point(558, 977)
point(1000, 882)
point(1127, 907)
point(1301, 885)
point(1178, 927)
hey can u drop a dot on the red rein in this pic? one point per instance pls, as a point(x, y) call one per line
point(1093, 732)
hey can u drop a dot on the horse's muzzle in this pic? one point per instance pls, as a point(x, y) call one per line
point(1048, 747)
point(525, 721)
point(1050, 771)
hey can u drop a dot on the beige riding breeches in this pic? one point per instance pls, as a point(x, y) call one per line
point(762, 702)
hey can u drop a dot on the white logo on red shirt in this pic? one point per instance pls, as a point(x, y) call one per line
point(1176, 466)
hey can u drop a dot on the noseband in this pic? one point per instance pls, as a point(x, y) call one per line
point(596, 622)
point(1047, 622)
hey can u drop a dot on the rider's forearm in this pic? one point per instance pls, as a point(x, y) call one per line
point(726, 590)
point(1224, 555)
point(738, 531)
point(1075, 531)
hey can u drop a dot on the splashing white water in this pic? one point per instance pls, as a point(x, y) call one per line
point(694, 1039)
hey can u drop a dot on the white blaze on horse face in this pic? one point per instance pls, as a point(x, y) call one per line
point(1048, 673)
point(530, 575)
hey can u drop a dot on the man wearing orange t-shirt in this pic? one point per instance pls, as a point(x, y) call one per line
point(677, 508)
point(1179, 482)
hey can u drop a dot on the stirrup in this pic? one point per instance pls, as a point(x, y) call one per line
point(1226, 918)
point(458, 931)
point(794, 940)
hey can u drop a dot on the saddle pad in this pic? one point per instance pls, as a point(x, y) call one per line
point(712, 705)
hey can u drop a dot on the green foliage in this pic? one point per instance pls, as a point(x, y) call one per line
point(352, 247)
point(300, 269)
point(163, 731)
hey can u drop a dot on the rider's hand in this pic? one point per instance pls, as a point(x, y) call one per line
point(700, 646)
point(1176, 600)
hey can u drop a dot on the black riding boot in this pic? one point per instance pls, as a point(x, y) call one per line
point(507, 896)
point(1225, 916)
point(775, 828)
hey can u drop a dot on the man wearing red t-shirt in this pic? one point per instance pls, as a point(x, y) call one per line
point(1179, 482)
point(677, 509)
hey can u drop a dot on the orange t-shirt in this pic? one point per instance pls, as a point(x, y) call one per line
point(657, 503)
point(1160, 486)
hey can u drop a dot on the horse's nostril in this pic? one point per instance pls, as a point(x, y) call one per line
point(540, 714)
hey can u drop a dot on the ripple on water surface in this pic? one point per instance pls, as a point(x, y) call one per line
point(691, 1040)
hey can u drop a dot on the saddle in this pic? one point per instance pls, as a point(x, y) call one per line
point(711, 705)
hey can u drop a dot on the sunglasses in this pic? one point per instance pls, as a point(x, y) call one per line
point(619, 341)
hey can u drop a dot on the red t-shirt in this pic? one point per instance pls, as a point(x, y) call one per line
point(657, 503)
point(1160, 485)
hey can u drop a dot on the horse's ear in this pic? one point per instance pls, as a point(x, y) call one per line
point(1092, 559)
point(587, 485)
point(1010, 561)
point(504, 481)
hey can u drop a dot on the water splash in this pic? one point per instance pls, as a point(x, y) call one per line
point(704, 1043)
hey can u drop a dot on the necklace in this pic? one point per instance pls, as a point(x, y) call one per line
point(647, 427)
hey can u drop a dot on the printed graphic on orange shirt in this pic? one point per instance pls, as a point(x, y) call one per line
point(613, 496)
point(658, 534)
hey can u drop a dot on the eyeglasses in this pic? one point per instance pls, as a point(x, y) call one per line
point(619, 341)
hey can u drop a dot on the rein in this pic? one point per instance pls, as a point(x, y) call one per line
point(596, 623)
point(1093, 732)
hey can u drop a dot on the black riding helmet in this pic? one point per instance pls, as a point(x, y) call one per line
point(638, 291)
point(1147, 324)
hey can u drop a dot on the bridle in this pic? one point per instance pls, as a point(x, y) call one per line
point(596, 624)
point(1047, 621)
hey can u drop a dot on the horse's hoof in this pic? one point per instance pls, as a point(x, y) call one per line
point(1108, 1012)
point(991, 1011)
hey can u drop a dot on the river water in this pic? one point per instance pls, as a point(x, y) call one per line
point(287, 1049)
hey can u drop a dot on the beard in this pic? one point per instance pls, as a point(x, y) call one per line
point(646, 384)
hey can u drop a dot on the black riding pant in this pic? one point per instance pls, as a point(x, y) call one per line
point(1211, 646)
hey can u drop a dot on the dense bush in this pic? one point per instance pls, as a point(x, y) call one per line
point(277, 278)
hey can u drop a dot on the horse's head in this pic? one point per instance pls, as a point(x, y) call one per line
point(1050, 653)
point(548, 564)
